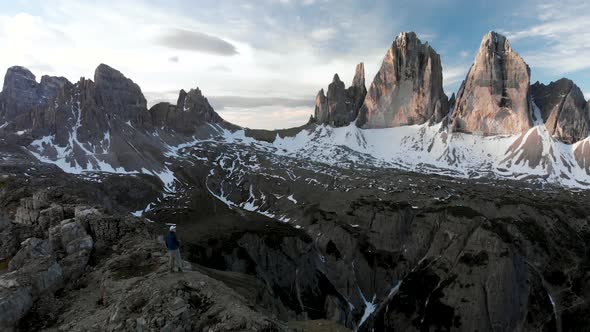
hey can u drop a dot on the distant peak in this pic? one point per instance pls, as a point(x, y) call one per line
point(195, 92)
point(106, 72)
point(359, 75)
point(407, 35)
point(19, 71)
point(336, 78)
point(19, 78)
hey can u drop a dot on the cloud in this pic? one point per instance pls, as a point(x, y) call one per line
point(561, 33)
point(222, 102)
point(220, 69)
point(587, 95)
point(453, 75)
point(174, 59)
point(196, 41)
point(268, 117)
point(324, 34)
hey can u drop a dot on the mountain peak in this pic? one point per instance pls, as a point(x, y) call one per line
point(19, 78)
point(494, 98)
point(495, 43)
point(336, 78)
point(107, 73)
point(563, 109)
point(359, 76)
point(407, 89)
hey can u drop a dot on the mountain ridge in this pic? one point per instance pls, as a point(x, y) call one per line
point(99, 125)
point(402, 227)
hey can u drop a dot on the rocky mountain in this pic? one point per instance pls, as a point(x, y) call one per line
point(563, 108)
point(341, 106)
point(100, 124)
point(378, 226)
point(23, 100)
point(407, 89)
point(191, 111)
point(494, 99)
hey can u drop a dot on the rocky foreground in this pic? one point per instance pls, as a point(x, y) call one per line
point(367, 249)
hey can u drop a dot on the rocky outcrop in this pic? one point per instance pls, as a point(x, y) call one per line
point(23, 100)
point(127, 289)
point(321, 108)
point(338, 103)
point(407, 90)
point(340, 106)
point(120, 97)
point(358, 90)
point(191, 111)
point(494, 98)
point(563, 109)
point(21, 87)
point(452, 102)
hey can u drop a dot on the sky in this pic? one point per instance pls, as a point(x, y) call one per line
point(261, 63)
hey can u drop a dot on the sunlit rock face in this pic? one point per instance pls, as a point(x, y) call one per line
point(407, 90)
point(494, 98)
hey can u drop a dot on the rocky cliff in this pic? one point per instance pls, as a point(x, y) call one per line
point(494, 98)
point(407, 89)
point(340, 106)
point(23, 100)
point(563, 109)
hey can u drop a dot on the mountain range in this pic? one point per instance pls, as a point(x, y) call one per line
point(394, 208)
point(498, 125)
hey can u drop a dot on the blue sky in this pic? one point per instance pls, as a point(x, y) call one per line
point(262, 62)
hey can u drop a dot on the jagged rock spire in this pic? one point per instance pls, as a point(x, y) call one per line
point(494, 99)
point(563, 109)
point(407, 89)
point(339, 107)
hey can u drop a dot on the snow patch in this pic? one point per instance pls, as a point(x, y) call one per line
point(292, 199)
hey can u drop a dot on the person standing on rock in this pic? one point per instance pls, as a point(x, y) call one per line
point(173, 250)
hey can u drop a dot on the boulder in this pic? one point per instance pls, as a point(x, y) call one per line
point(407, 90)
point(51, 216)
point(494, 98)
point(31, 248)
point(29, 208)
point(15, 302)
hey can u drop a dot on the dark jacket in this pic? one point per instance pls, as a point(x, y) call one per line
point(171, 241)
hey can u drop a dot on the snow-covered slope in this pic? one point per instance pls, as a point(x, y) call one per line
point(434, 149)
point(533, 155)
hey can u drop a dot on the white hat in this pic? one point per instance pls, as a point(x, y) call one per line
point(173, 228)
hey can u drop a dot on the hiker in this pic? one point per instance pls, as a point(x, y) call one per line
point(173, 250)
